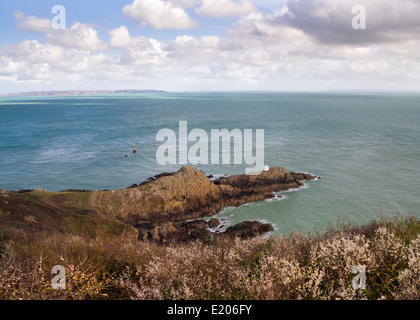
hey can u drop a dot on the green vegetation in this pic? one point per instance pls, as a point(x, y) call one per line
point(37, 199)
point(298, 266)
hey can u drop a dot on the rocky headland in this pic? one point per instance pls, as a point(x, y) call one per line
point(170, 207)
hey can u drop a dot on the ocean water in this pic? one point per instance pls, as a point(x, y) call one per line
point(365, 146)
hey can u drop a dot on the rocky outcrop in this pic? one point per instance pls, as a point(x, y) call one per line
point(189, 194)
point(248, 229)
point(166, 208)
point(161, 207)
point(304, 176)
point(259, 186)
point(184, 231)
point(169, 232)
point(213, 223)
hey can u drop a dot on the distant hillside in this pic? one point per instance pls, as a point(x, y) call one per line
point(77, 93)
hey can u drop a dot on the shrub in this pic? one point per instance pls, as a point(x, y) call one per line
point(297, 266)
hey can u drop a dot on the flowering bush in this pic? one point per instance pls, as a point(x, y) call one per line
point(32, 279)
point(297, 266)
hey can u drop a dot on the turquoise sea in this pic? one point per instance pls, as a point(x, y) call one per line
point(365, 146)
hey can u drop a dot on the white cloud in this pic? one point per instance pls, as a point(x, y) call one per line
point(159, 14)
point(79, 36)
point(32, 24)
point(306, 45)
point(120, 38)
point(48, 65)
point(329, 21)
point(186, 3)
point(149, 58)
point(268, 30)
point(225, 8)
point(188, 47)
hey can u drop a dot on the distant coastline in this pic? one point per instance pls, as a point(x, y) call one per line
point(77, 93)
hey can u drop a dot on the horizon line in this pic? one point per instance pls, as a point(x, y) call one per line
point(91, 92)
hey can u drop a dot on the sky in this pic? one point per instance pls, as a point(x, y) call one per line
point(210, 45)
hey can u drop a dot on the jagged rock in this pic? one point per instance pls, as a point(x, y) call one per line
point(184, 231)
point(168, 232)
point(248, 229)
point(165, 208)
point(24, 191)
point(303, 176)
point(275, 180)
point(188, 194)
point(213, 223)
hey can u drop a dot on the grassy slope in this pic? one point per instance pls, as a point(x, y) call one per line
point(62, 212)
